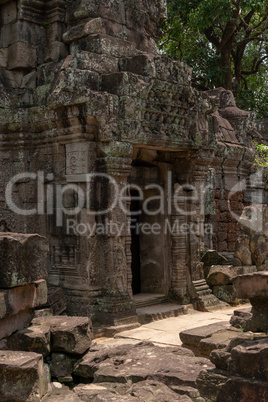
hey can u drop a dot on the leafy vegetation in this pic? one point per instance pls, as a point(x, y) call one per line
point(261, 155)
point(226, 44)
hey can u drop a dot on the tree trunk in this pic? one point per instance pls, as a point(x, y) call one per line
point(238, 59)
point(225, 63)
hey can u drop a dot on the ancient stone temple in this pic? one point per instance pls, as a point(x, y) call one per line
point(90, 109)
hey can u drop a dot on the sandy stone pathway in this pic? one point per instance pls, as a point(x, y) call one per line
point(166, 332)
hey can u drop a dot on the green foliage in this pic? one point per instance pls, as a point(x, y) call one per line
point(46, 24)
point(261, 155)
point(189, 45)
point(225, 44)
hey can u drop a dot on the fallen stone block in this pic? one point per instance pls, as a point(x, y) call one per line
point(250, 360)
point(209, 382)
point(245, 336)
point(191, 337)
point(220, 275)
point(41, 293)
point(22, 376)
point(212, 257)
point(68, 334)
point(33, 339)
point(225, 293)
point(221, 358)
point(99, 352)
point(218, 340)
point(23, 259)
point(243, 390)
point(240, 318)
point(15, 322)
point(14, 300)
point(142, 362)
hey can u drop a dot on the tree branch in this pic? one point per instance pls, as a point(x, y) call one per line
point(248, 40)
point(257, 67)
point(229, 31)
point(212, 37)
point(245, 82)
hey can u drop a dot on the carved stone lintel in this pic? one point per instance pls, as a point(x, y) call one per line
point(40, 11)
point(115, 158)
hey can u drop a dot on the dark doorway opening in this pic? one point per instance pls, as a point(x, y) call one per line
point(135, 242)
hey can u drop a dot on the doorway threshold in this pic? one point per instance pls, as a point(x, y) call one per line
point(148, 299)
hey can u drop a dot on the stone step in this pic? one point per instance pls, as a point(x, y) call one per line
point(160, 312)
point(206, 301)
point(148, 299)
point(199, 282)
point(201, 287)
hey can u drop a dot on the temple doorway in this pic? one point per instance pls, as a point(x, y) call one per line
point(135, 243)
point(150, 251)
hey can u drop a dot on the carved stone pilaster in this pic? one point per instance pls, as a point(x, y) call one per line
point(114, 164)
point(179, 247)
point(197, 215)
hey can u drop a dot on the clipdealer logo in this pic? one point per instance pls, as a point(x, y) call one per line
point(152, 200)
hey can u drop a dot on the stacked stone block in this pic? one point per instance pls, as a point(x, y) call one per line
point(23, 289)
point(61, 340)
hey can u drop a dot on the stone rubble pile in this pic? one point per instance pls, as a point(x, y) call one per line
point(120, 370)
point(61, 340)
point(39, 348)
point(220, 271)
point(220, 280)
point(239, 351)
point(141, 371)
